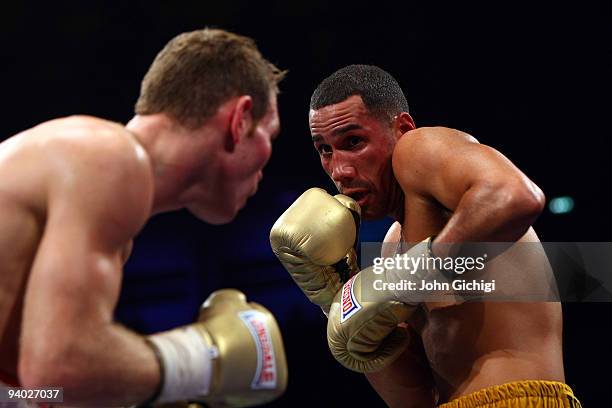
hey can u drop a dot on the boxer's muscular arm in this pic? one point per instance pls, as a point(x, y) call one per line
point(68, 336)
point(491, 199)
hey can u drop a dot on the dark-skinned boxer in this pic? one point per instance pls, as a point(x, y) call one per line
point(442, 187)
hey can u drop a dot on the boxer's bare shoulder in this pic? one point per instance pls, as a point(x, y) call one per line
point(74, 152)
point(435, 134)
point(421, 154)
point(81, 164)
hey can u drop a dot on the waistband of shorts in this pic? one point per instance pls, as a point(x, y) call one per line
point(516, 389)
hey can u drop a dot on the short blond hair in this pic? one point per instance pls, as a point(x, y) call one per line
point(197, 71)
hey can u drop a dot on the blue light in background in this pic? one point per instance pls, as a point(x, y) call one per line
point(561, 205)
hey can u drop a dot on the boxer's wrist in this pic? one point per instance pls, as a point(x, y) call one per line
point(185, 356)
point(160, 384)
point(411, 266)
point(436, 250)
point(408, 274)
point(443, 249)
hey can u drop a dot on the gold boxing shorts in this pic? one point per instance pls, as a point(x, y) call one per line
point(519, 394)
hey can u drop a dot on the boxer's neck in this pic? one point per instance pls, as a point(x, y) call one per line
point(176, 154)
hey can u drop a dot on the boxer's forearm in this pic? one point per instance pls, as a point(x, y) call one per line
point(103, 366)
point(498, 212)
point(407, 382)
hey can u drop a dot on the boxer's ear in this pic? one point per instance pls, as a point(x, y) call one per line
point(241, 121)
point(402, 123)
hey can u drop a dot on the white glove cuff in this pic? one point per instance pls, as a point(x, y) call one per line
point(413, 270)
point(186, 360)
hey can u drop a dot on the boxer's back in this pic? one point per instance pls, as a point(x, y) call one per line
point(32, 164)
point(21, 228)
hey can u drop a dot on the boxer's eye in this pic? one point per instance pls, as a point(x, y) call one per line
point(324, 149)
point(354, 141)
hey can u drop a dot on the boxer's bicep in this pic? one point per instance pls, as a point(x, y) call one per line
point(443, 164)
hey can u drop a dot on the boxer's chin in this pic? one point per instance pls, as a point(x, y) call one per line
point(219, 220)
point(369, 216)
point(372, 213)
point(216, 216)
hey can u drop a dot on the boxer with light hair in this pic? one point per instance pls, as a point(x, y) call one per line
point(441, 186)
point(76, 190)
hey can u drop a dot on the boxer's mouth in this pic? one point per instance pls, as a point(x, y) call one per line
point(357, 195)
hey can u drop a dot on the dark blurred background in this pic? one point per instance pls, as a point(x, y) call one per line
point(530, 79)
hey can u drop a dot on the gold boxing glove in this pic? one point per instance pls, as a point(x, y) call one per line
point(233, 356)
point(315, 240)
point(362, 330)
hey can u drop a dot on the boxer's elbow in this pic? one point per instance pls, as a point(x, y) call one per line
point(527, 200)
point(520, 202)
